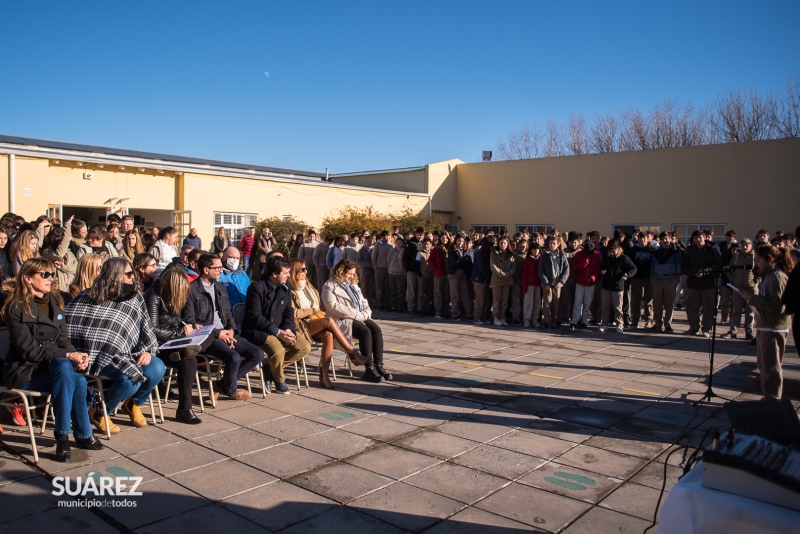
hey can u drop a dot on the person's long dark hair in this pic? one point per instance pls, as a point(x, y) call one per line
point(779, 256)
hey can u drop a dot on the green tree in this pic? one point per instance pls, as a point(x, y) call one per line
point(282, 231)
point(353, 219)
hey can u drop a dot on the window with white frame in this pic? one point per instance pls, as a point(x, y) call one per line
point(452, 228)
point(641, 227)
point(235, 224)
point(544, 229)
point(684, 231)
point(484, 228)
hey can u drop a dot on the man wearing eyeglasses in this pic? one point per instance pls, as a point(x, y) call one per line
point(207, 305)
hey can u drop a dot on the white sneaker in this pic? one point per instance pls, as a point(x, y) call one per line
point(504, 323)
point(620, 330)
point(497, 322)
point(526, 324)
point(438, 316)
point(479, 322)
point(602, 329)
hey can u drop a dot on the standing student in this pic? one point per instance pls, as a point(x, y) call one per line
point(320, 259)
point(586, 266)
point(516, 290)
point(503, 265)
point(380, 263)
point(641, 288)
point(481, 279)
point(772, 321)
point(306, 253)
point(616, 269)
point(567, 299)
point(665, 273)
point(741, 275)
point(425, 289)
point(438, 264)
point(412, 269)
point(532, 286)
point(366, 282)
point(701, 264)
point(246, 244)
point(553, 273)
point(397, 276)
point(459, 267)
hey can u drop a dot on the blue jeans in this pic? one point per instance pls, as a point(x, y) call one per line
point(246, 260)
point(123, 387)
point(68, 390)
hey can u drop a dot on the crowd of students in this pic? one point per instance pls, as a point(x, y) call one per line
point(103, 299)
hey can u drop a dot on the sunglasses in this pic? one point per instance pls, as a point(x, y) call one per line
point(46, 274)
point(128, 274)
point(303, 270)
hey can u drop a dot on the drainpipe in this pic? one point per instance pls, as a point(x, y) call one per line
point(327, 174)
point(12, 205)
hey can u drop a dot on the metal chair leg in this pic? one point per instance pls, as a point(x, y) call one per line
point(200, 393)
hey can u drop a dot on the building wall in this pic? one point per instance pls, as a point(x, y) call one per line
point(205, 194)
point(442, 183)
point(412, 181)
point(4, 182)
point(744, 185)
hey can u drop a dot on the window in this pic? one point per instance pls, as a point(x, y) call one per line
point(235, 224)
point(684, 231)
point(545, 229)
point(483, 228)
point(452, 228)
point(631, 228)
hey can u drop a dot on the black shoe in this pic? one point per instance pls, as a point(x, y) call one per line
point(63, 452)
point(90, 444)
point(668, 329)
point(383, 372)
point(691, 332)
point(581, 325)
point(188, 417)
point(749, 336)
point(371, 375)
point(282, 388)
point(728, 335)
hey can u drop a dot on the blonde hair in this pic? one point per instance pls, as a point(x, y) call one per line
point(294, 267)
point(126, 248)
point(339, 270)
point(85, 273)
point(22, 246)
point(174, 290)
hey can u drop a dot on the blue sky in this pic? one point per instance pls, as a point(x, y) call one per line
point(367, 85)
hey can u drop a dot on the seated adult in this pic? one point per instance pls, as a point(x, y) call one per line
point(269, 321)
point(208, 305)
point(233, 276)
point(342, 300)
point(312, 323)
point(41, 357)
point(165, 301)
point(110, 323)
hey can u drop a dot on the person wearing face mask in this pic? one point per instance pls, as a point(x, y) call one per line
point(233, 277)
point(110, 322)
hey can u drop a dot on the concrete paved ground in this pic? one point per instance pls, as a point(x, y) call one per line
point(483, 429)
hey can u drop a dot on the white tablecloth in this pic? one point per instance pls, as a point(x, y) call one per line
point(692, 508)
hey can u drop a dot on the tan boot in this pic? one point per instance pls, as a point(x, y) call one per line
point(135, 413)
point(99, 421)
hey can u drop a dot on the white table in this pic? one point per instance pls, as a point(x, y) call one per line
point(692, 508)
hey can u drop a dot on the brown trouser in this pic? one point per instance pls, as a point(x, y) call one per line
point(412, 284)
point(397, 292)
point(366, 282)
point(516, 303)
point(459, 295)
point(567, 299)
point(664, 291)
point(279, 354)
point(611, 299)
point(500, 296)
point(770, 347)
point(441, 292)
point(382, 287)
point(641, 293)
point(550, 299)
point(697, 299)
point(596, 309)
point(483, 299)
point(740, 305)
point(725, 303)
point(424, 293)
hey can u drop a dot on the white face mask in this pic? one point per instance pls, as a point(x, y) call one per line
point(232, 264)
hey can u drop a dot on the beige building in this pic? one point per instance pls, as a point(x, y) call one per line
point(741, 186)
point(64, 179)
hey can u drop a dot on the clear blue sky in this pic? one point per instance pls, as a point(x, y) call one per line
point(367, 85)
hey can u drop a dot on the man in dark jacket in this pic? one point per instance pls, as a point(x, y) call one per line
point(269, 321)
point(207, 305)
point(641, 290)
point(701, 264)
point(412, 268)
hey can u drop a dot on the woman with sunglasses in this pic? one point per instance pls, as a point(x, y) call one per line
point(41, 357)
point(110, 322)
point(312, 323)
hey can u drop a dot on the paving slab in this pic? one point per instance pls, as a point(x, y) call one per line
point(341, 482)
point(278, 505)
point(437, 444)
point(336, 443)
point(633, 499)
point(603, 521)
point(285, 460)
point(571, 482)
point(222, 480)
point(394, 462)
point(237, 442)
point(176, 458)
point(200, 519)
point(602, 461)
point(407, 507)
point(500, 462)
point(457, 482)
point(343, 519)
point(475, 521)
point(533, 507)
point(160, 499)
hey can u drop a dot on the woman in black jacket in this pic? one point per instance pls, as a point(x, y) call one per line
point(165, 300)
point(41, 357)
point(616, 268)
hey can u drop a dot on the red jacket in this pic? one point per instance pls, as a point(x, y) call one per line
point(586, 267)
point(246, 245)
point(437, 261)
point(530, 273)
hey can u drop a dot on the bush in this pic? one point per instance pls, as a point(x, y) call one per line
point(282, 231)
point(352, 219)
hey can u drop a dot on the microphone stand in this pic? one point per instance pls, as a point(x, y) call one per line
point(709, 392)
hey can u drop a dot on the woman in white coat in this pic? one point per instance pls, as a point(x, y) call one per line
point(342, 300)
